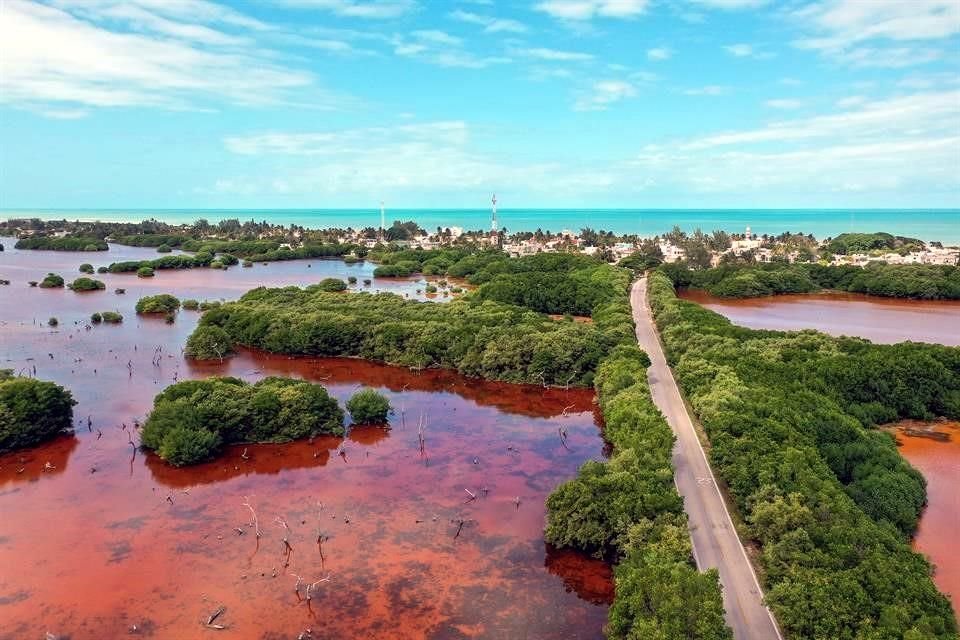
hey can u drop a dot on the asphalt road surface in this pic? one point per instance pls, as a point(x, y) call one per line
point(715, 541)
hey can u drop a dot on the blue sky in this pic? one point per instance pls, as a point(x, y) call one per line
point(423, 103)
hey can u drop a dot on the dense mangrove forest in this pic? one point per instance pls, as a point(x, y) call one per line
point(827, 497)
point(921, 281)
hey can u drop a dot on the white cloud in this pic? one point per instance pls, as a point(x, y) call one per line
point(926, 111)
point(605, 93)
point(407, 158)
point(784, 103)
point(55, 60)
point(442, 49)
point(373, 9)
point(740, 50)
point(841, 28)
point(887, 57)
point(542, 53)
point(731, 4)
point(588, 9)
point(708, 90)
point(851, 101)
point(489, 24)
point(659, 53)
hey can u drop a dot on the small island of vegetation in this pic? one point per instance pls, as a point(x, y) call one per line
point(368, 407)
point(160, 303)
point(87, 284)
point(32, 411)
point(51, 281)
point(192, 420)
point(61, 243)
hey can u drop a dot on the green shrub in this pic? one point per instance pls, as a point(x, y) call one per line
point(208, 342)
point(86, 267)
point(51, 281)
point(182, 446)
point(164, 248)
point(368, 407)
point(191, 304)
point(96, 318)
point(430, 288)
point(332, 284)
point(111, 317)
point(209, 304)
point(161, 303)
point(65, 243)
point(352, 279)
point(216, 264)
point(32, 411)
point(87, 284)
point(191, 420)
point(103, 270)
point(145, 272)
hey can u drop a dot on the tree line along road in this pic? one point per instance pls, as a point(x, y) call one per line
point(715, 540)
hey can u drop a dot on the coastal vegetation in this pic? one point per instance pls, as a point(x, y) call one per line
point(86, 267)
point(202, 259)
point(827, 498)
point(110, 317)
point(87, 284)
point(192, 420)
point(368, 407)
point(61, 243)
point(929, 282)
point(332, 285)
point(847, 243)
point(32, 411)
point(160, 303)
point(208, 342)
point(145, 272)
point(627, 509)
point(51, 281)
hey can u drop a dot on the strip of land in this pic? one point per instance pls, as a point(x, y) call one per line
point(715, 540)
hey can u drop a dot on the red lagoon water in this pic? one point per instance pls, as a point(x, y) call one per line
point(935, 451)
point(883, 320)
point(97, 537)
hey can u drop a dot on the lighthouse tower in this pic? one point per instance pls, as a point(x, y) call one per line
point(383, 220)
point(493, 217)
point(746, 236)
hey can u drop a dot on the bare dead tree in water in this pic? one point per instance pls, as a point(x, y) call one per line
point(321, 536)
point(313, 586)
point(256, 525)
point(296, 587)
point(287, 548)
point(472, 495)
point(421, 425)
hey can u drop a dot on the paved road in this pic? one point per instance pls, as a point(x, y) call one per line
point(715, 541)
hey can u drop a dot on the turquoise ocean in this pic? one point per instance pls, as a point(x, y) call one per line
point(926, 224)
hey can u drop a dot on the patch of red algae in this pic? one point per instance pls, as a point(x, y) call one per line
point(107, 538)
point(934, 449)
